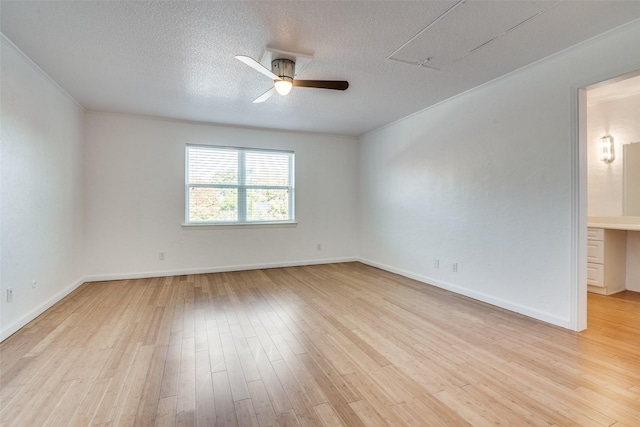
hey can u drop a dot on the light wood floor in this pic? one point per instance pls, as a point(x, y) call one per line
point(332, 345)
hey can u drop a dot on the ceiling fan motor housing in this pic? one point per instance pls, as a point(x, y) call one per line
point(283, 68)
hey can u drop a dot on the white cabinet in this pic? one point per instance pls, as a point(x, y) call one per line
point(606, 260)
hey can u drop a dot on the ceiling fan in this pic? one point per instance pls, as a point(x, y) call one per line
point(282, 73)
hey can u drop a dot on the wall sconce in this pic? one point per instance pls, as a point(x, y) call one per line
point(606, 149)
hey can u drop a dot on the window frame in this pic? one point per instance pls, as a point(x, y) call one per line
point(241, 186)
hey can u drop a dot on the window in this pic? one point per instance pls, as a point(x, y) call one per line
point(227, 185)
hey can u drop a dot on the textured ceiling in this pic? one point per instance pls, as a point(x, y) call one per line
point(176, 59)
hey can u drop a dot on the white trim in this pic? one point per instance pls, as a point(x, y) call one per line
point(37, 311)
point(218, 225)
point(241, 185)
point(222, 269)
point(234, 148)
point(241, 195)
point(24, 320)
point(527, 311)
point(578, 267)
point(574, 316)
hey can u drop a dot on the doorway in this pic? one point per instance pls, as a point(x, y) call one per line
point(608, 118)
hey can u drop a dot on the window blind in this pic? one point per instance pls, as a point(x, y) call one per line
point(238, 185)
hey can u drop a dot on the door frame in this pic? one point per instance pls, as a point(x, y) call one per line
point(578, 315)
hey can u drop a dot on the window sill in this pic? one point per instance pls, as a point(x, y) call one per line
point(205, 226)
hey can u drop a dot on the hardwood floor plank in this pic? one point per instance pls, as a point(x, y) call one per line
point(287, 419)
point(367, 414)
point(48, 407)
point(332, 392)
point(376, 398)
point(305, 379)
point(186, 392)
point(247, 363)
point(270, 380)
point(126, 412)
point(246, 414)
point(67, 404)
point(234, 368)
point(166, 412)
point(205, 403)
point(216, 355)
point(328, 416)
point(266, 343)
point(300, 402)
point(566, 412)
point(171, 371)
point(87, 407)
point(37, 389)
point(321, 367)
point(262, 404)
point(224, 407)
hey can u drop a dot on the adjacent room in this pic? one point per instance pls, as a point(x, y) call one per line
point(315, 213)
point(613, 153)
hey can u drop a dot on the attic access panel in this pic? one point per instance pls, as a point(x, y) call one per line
point(464, 28)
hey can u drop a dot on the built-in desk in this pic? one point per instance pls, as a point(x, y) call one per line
point(629, 223)
point(607, 253)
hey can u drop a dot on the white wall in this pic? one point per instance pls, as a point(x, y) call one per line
point(484, 180)
point(633, 261)
point(41, 191)
point(134, 201)
point(620, 119)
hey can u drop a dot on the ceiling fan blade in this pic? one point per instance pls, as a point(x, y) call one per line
point(323, 84)
point(257, 66)
point(265, 96)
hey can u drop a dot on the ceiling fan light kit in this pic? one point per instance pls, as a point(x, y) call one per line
point(282, 73)
point(283, 87)
point(285, 69)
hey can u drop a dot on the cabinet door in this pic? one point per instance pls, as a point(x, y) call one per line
point(595, 274)
point(595, 233)
point(595, 251)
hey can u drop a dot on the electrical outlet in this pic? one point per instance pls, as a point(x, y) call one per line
point(161, 256)
point(454, 267)
point(34, 284)
point(436, 263)
point(319, 247)
point(9, 295)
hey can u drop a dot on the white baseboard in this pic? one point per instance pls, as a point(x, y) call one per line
point(204, 270)
point(527, 311)
point(31, 315)
point(498, 302)
point(37, 311)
